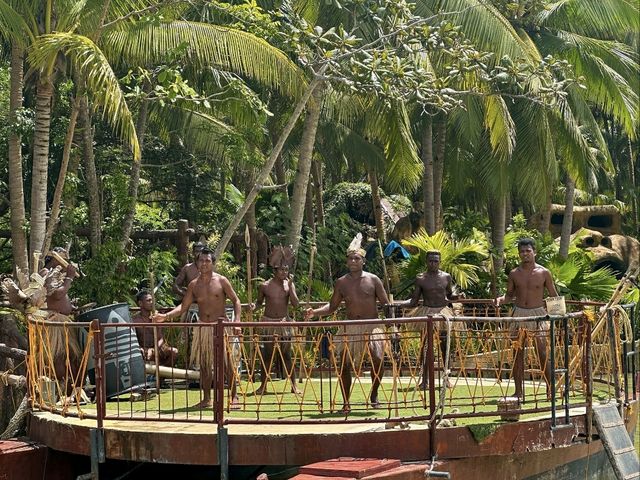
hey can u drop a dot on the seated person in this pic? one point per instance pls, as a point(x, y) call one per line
point(167, 354)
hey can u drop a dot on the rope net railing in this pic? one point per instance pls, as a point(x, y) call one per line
point(306, 372)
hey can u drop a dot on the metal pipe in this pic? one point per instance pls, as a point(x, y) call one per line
point(223, 452)
point(436, 474)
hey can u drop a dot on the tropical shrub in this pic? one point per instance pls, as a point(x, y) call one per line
point(462, 258)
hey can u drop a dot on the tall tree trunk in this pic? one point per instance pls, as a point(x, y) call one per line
point(134, 178)
point(268, 166)
point(316, 171)
point(54, 217)
point(508, 212)
point(223, 181)
point(545, 216)
point(428, 209)
point(69, 195)
point(377, 205)
point(16, 192)
point(40, 168)
point(438, 172)
point(635, 191)
point(309, 214)
point(250, 218)
point(301, 181)
point(88, 160)
point(280, 167)
point(567, 221)
point(497, 209)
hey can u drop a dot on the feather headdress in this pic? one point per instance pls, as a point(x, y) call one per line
point(356, 246)
point(281, 256)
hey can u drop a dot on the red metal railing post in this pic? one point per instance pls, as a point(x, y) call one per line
point(219, 372)
point(430, 360)
point(432, 388)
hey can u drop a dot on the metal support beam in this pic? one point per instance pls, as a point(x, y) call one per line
point(223, 452)
point(96, 441)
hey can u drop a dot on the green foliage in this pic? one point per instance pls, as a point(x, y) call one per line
point(112, 276)
point(149, 217)
point(458, 222)
point(272, 214)
point(462, 259)
point(575, 279)
point(353, 199)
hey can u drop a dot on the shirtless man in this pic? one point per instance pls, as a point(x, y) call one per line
point(277, 293)
point(210, 290)
point(58, 300)
point(188, 272)
point(526, 286)
point(60, 309)
point(167, 354)
point(360, 290)
point(435, 287)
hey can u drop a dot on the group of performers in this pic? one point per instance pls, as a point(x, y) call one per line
point(361, 293)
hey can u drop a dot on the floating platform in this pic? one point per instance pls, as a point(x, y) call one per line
point(524, 449)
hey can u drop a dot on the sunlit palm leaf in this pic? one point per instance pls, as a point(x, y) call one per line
point(209, 45)
point(457, 257)
point(102, 84)
point(593, 18)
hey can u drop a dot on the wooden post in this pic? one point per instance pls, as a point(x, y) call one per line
point(182, 241)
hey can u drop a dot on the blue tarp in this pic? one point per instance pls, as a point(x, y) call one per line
point(392, 247)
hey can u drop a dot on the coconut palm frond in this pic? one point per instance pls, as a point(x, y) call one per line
point(483, 24)
point(593, 18)
point(344, 108)
point(456, 257)
point(200, 131)
point(209, 45)
point(390, 127)
point(468, 123)
point(102, 83)
point(610, 76)
point(534, 158)
point(500, 126)
point(584, 116)
point(14, 24)
point(578, 157)
point(69, 13)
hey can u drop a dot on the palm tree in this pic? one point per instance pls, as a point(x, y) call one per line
point(568, 31)
point(47, 29)
point(462, 258)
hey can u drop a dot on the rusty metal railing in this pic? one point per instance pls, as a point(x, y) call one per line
point(304, 365)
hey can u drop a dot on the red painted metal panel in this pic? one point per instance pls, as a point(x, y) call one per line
point(350, 467)
point(22, 460)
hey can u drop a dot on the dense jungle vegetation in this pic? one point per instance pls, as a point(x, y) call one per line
point(309, 121)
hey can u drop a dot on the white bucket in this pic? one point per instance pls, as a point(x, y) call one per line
point(556, 306)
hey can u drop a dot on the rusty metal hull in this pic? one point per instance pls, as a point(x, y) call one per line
point(526, 449)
